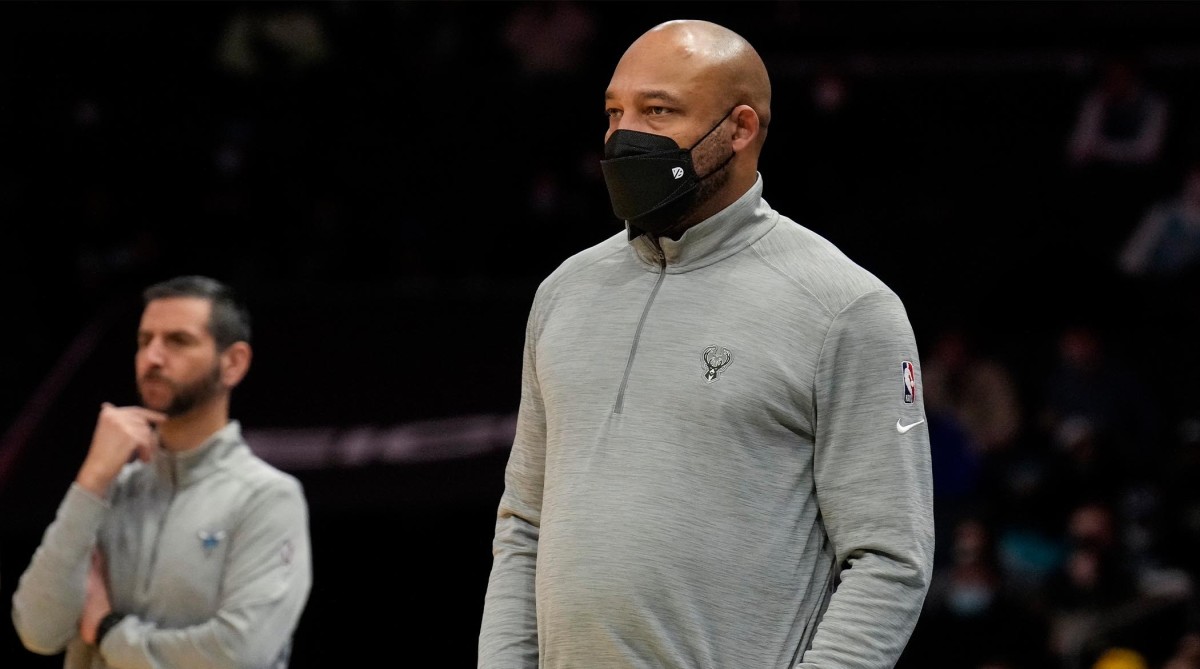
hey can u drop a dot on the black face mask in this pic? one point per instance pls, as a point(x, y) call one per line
point(651, 180)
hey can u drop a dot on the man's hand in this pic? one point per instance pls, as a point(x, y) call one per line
point(120, 433)
point(96, 603)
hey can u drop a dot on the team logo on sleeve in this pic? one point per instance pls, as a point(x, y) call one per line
point(716, 359)
point(910, 381)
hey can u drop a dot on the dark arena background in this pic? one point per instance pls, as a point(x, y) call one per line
point(388, 182)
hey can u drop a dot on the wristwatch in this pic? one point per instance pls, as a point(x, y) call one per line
point(108, 622)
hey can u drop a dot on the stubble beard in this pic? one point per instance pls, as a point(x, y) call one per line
point(186, 397)
point(707, 188)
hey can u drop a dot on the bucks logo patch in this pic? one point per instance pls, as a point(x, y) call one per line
point(716, 360)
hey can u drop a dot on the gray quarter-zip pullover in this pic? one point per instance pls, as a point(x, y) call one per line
point(720, 460)
point(208, 552)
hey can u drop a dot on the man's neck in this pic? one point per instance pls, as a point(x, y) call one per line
point(734, 190)
point(185, 432)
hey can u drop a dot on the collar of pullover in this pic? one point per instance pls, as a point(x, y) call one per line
point(723, 234)
point(194, 464)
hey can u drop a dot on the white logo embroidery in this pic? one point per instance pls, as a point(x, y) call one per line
point(677, 172)
point(905, 428)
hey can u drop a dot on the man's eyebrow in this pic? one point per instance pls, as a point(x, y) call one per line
point(659, 95)
point(653, 94)
point(176, 332)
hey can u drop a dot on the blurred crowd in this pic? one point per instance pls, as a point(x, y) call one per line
point(1039, 215)
point(1069, 516)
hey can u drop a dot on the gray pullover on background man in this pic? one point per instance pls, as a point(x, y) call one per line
point(208, 553)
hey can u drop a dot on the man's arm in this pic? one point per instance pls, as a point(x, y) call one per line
point(508, 633)
point(265, 586)
point(96, 604)
point(50, 595)
point(49, 598)
point(874, 486)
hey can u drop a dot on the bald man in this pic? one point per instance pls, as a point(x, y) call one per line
point(721, 458)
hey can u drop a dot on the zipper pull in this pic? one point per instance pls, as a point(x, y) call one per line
point(660, 254)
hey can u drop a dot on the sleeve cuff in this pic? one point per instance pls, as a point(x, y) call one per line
point(106, 624)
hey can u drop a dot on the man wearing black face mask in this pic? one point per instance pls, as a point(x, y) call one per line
point(721, 456)
point(653, 183)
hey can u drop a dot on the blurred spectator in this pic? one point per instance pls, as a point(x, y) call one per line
point(1115, 157)
point(1080, 464)
point(1029, 544)
point(971, 619)
point(1099, 601)
point(979, 390)
point(1166, 242)
point(1096, 400)
point(1098, 569)
point(279, 40)
point(1187, 654)
point(974, 414)
point(1094, 574)
point(1122, 121)
point(1160, 279)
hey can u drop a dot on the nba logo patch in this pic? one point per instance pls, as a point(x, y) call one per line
point(910, 381)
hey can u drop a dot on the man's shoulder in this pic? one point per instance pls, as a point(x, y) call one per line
point(586, 259)
point(816, 264)
point(256, 472)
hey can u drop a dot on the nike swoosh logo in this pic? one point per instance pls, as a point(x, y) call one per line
point(905, 428)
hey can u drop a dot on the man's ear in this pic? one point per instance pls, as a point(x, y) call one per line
point(235, 362)
point(748, 127)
